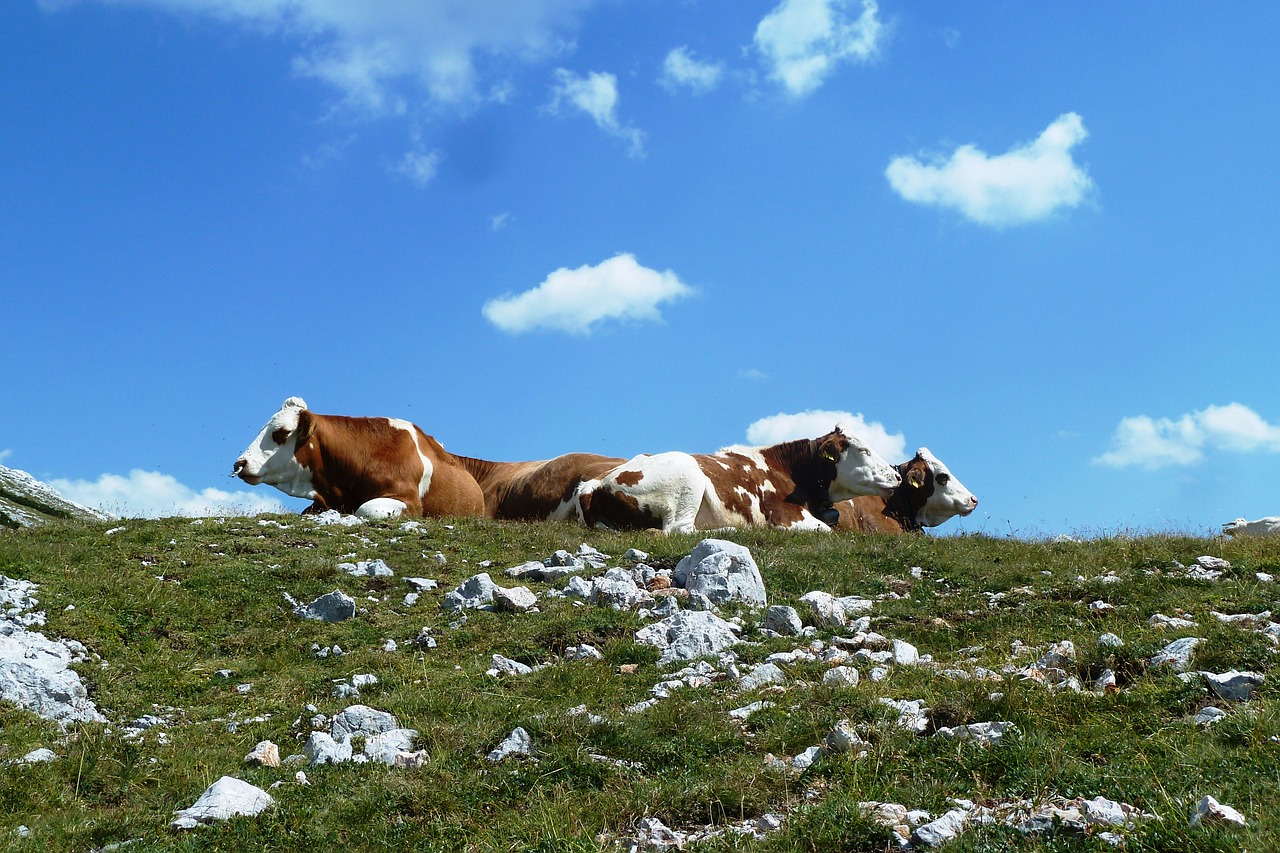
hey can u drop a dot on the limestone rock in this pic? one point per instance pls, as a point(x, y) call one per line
point(688, 635)
point(335, 606)
point(723, 571)
point(476, 591)
point(224, 799)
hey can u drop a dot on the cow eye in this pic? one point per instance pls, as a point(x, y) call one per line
point(943, 479)
point(280, 436)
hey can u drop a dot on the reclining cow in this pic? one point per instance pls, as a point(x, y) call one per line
point(782, 486)
point(1268, 526)
point(370, 467)
point(383, 467)
point(537, 491)
point(927, 496)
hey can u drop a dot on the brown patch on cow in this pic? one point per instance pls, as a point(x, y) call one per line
point(616, 510)
point(533, 491)
point(280, 436)
point(628, 478)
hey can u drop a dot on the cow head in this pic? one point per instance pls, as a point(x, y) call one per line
point(859, 470)
point(269, 458)
point(932, 490)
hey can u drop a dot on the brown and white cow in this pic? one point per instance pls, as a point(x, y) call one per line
point(370, 467)
point(383, 467)
point(774, 486)
point(537, 491)
point(928, 495)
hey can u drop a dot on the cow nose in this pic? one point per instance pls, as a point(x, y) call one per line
point(238, 467)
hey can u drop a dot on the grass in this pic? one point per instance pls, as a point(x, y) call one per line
point(165, 605)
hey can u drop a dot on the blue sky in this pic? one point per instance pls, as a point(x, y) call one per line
point(1040, 239)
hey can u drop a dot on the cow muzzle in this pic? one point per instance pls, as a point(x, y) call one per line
point(239, 470)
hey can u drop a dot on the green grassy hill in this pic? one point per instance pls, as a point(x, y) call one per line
point(195, 656)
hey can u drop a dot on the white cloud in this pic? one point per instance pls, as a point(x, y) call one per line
point(419, 167)
point(5, 454)
point(815, 422)
point(681, 70)
point(576, 300)
point(755, 374)
point(1151, 443)
point(499, 221)
point(802, 41)
point(369, 50)
point(1025, 184)
point(150, 494)
point(597, 96)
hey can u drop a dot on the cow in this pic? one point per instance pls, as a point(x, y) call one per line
point(369, 467)
point(781, 486)
point(537, 491)
point(383, 467)
point(927, 496)
point(1262, 527)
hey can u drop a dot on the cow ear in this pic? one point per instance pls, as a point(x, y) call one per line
point(306, 426)
point(915, 477)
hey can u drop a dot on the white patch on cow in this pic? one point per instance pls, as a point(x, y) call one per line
point(427, 470)
point(265, 461)
point(808, 522)
point(950, 498)
point(752, 454)
point(381, 508)
point(671, 488)
point(862, 471)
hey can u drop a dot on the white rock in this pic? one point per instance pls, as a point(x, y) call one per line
point(518, 599)
point(35, 671)
point(507, 666)
point(583, 652)
point(688, 635)
point(912, 715)
point(723, 571)
point(224, 799)
point(783, 620)
point(38, 756)
point(361, 720)
point(1110, 640)
point(321, 748)
point(747, 710)
point(1234, 686)
point(1177, 654)
point(1159, 620)
point(1209, 810)
point(826, 610)
point(805, 760)
point(516, 744)
point(266, 754)
point(617, 590)
point(945, 828)
point(335, 606)
point(764, 674)
point(476, 591)
point(844, 738)
point(905, 654)
point(1208, 716)
point(367, 569)
point(987, 734)
point(385, 747)
point(844, 676)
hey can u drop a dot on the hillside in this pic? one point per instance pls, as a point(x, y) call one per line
point(25, 502)
point(1049, 696)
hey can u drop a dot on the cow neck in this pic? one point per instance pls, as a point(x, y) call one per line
point(898, 505)
point(800, 460)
